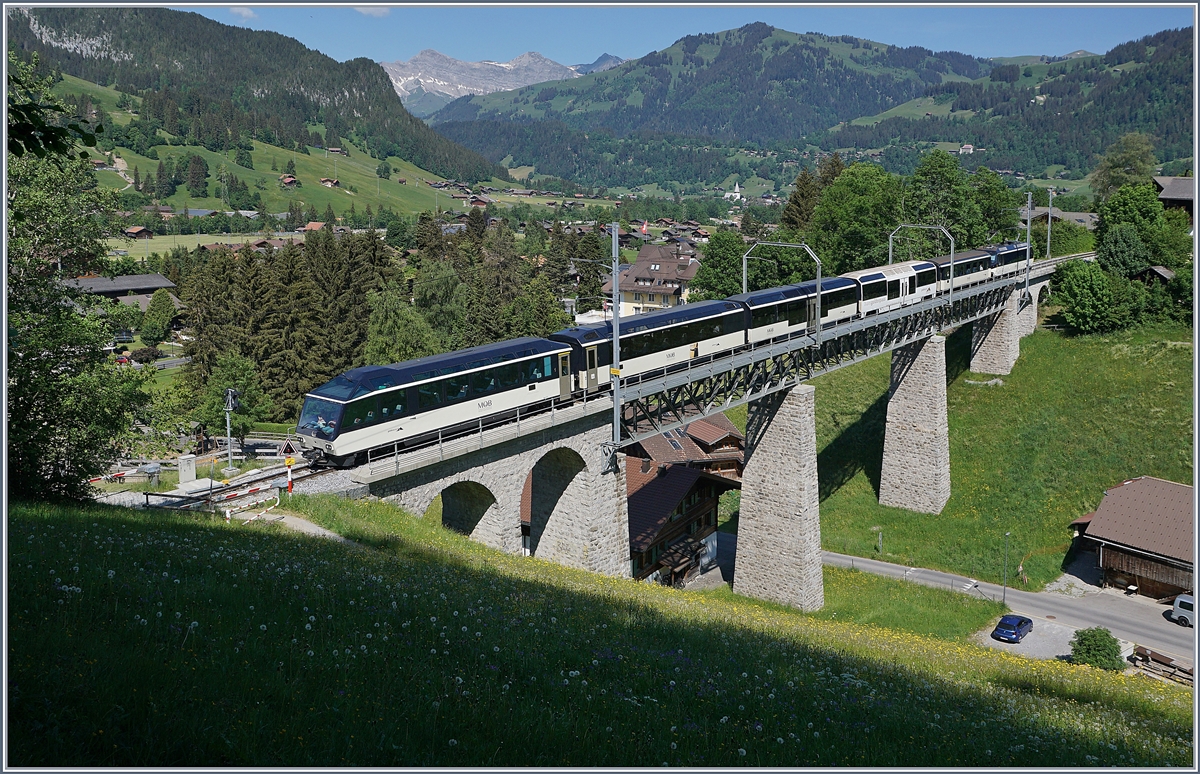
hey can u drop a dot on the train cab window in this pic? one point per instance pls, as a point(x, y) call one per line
point(456, 388)
point(893, 290)
point(429, 395)
point(927, 277)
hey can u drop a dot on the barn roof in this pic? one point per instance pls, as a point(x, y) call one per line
point(1147, 514)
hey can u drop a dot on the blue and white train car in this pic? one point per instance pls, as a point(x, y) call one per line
point(407, 402)
point(777, 313)
point(1008, 258)
point(839, 299)
point(970, 268)
point(886, 288)
point(653, 341)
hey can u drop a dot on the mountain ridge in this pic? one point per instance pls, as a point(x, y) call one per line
point(430, 79)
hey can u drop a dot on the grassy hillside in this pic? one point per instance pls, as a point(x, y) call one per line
point(155, 640)
point(1077, 415)
point(357, 170)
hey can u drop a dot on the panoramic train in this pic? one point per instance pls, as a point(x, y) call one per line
point(410, 403)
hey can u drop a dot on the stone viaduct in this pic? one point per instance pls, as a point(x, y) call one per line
point(579, 513)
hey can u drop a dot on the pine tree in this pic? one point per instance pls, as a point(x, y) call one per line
point(396, 330)
point(290, 168)
point(329, 218)
point(798, 211)
point(137, 179)
point(253, 287)
point(557, 266)
point(294, 326)
point(590, 254)
point(829, 168)
point(310, 215)
point(208, 297)
point(476, 223)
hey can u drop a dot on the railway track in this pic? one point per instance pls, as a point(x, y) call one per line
point(247, 491)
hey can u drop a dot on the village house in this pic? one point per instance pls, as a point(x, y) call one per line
point(138, 232)
point(657, 280)
point(288, 181)
point(330, 182)
point(1177, 192)
point(1088, 220)
point(672, 520)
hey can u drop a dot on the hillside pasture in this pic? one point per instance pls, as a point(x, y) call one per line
point(158, 639)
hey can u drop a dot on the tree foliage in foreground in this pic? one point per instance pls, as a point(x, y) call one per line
point(70, 411)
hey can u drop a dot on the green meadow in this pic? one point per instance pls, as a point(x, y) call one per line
point(155, 639)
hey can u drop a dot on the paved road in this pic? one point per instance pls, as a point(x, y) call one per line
point(1131, 618)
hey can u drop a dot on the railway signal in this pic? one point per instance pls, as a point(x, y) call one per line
point(290, 461)
point(231, 404)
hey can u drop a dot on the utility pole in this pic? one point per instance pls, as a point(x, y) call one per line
point(1028, 238)
point(1004, 593)
point(1049, 220)
point(615, 370)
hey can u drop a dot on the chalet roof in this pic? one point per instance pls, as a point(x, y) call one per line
point(1147, 514)
point(707, 431)
point(1086, 219)
point(1162, 272)
point(1179, 188)
point(313, 225)
point(142, 301)
point(121, 285)
point(713, 429)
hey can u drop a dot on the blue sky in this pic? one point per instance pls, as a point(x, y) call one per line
point(577, 35)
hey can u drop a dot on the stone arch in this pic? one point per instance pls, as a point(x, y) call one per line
point(558, 498)
point(466, 505)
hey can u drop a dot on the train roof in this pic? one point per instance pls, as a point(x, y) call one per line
point(367, 379)
point(888, 270)
point(960, 257)
point(644, 322)
point(770, 295)
point(827, 284)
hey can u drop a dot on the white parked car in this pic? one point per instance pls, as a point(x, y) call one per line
point(1184, 611)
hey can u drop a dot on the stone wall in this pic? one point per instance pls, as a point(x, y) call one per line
point(779, 528)
point(916, 441)
point(580, 508)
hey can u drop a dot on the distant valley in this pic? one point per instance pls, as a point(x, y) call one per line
point(431, 80)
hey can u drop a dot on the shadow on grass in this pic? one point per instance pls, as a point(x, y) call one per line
point(859, 447)
point(653, 659)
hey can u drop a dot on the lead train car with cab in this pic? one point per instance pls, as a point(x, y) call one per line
point(412, 401)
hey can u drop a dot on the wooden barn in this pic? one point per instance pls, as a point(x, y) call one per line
point(1143, 532)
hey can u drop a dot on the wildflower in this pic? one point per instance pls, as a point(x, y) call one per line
point(433, 651)
point(673, 745)
point(453, 742)
point(263, 627)
point(741, 751)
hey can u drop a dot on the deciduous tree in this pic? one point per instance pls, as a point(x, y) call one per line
point(157, 321)
point(236, 372)
point(1128, 161)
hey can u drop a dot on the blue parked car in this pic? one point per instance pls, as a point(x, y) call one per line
point(1012, 628)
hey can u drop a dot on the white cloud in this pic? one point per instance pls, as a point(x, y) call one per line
point(373, 10)
point(243, 12)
